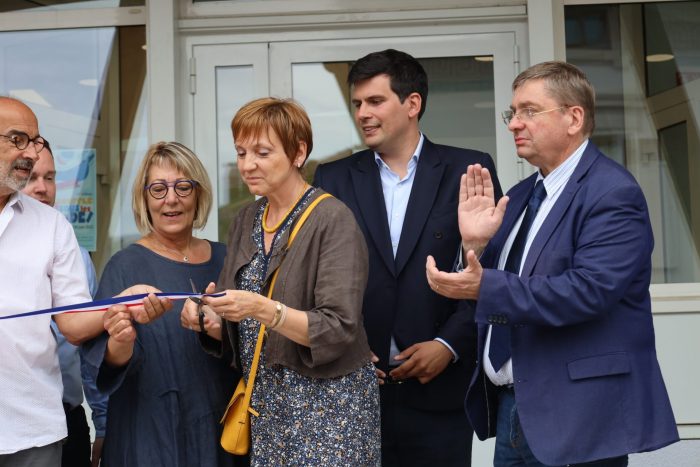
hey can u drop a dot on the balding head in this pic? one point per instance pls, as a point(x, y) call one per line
point(8, 105)
point(16, 121)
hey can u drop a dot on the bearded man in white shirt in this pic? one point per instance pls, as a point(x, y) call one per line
point(41, 268)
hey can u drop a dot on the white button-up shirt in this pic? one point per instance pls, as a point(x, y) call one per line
point(554, 184)
point(40, 267)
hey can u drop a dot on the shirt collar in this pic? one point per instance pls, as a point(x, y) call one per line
point(16, 198)
point(412, 161)
point(558, 177)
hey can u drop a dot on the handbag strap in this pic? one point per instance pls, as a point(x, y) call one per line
point(261, 333)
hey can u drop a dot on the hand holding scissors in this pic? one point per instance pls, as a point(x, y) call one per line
point(197, 316)
point(200, 304)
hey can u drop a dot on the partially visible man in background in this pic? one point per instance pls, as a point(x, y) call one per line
point(76, 450)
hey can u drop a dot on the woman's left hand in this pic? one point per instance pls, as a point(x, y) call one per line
point(237, 305)
point(151, 307)
point(138, 289)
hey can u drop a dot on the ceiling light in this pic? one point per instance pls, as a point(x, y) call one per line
point(656, 58)
point(484, 58)
point(88, 82)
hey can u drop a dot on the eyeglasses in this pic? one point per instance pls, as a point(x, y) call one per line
point(525, 114)
point(159, 190)
point(22, 140)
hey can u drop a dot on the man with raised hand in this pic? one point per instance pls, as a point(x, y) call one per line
point(560, 268)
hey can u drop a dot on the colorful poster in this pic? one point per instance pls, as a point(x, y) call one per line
point(76, 192)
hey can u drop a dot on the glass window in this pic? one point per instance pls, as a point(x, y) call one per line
point(459, 112)
point(52, 5)
point(644, 62)
point(234, 87)
point(86, 87)
point(670, 43)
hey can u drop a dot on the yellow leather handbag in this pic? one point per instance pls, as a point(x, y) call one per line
point(235, 437)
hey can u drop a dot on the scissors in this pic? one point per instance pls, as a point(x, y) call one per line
point(200, 304)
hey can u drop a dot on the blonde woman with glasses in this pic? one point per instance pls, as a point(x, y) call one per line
point(166, 394)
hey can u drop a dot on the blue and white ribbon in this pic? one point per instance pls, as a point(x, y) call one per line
point(103, 305)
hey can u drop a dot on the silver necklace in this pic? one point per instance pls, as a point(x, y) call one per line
point(185, 256)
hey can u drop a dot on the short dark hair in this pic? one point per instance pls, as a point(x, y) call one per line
point(406, 74)
point(47, 146)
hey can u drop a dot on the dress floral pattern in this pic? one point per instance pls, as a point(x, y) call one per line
point(303, 420)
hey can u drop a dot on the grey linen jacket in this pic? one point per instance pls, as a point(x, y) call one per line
point(324, 273)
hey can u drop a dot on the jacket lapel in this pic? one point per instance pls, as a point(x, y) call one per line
point(423, 193)
point(370, 199)
point(559, 209)
point(246, 246)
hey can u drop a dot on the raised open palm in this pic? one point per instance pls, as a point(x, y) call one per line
point(478, 214)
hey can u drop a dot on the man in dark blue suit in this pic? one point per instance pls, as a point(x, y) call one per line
point(567, 372)
point(403, 191)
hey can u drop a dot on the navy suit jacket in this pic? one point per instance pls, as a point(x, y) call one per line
point(587, 381)
point(398, 300)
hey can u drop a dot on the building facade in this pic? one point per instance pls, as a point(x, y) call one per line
point(108, 77)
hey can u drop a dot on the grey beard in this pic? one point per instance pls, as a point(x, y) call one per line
point(13, 183)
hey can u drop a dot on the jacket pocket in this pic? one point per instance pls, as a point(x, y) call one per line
point(600, 365)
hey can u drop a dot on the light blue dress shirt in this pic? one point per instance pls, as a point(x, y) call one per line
point(397, 192)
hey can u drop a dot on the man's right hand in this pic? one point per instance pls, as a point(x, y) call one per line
point(97, 452)
point(118, 323)
point(122, 335)
point(478, 215)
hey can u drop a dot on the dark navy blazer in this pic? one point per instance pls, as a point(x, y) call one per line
point(587, 381)
point(398, 300)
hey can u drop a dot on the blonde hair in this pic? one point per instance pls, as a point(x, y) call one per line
point(566, 84)
point(184, 160)
point(286, 117)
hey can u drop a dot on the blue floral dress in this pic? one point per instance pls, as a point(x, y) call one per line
point(303, 420)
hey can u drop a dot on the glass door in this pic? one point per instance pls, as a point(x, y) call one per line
point(223, 78)
point(469, 78)
point(678, 196)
